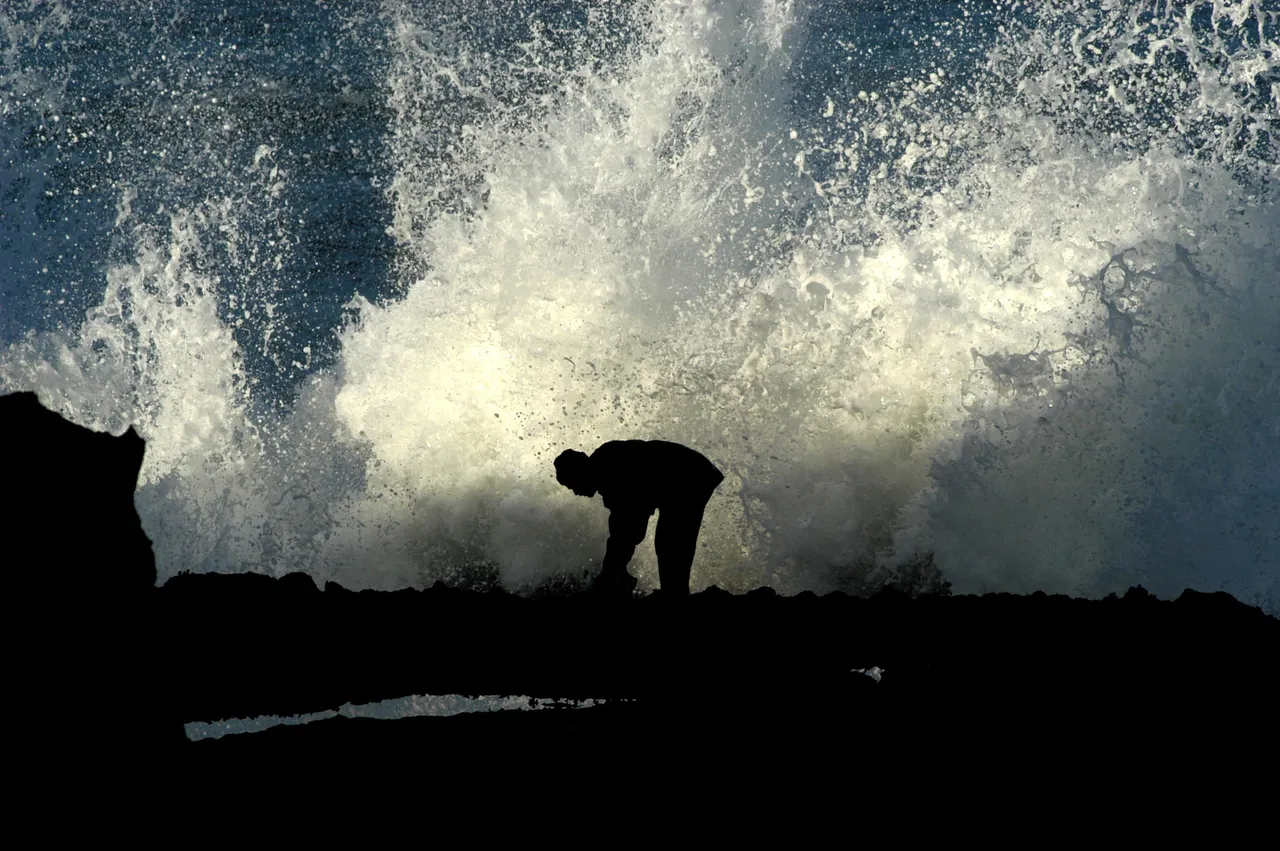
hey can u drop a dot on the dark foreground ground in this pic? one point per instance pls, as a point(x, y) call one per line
point(106, 668)
point(773, 673)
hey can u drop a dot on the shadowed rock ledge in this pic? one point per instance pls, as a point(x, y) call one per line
point(109, 667)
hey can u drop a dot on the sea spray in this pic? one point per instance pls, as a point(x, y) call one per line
point(986, 283)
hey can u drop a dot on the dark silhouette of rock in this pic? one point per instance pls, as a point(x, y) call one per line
point(635, 478)
point(70, 492)
point(107, 678)
point(81, 573)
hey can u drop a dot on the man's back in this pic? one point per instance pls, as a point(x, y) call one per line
point(636, 478)
point(645, 474)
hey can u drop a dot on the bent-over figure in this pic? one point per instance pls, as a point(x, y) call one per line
point(636, 478)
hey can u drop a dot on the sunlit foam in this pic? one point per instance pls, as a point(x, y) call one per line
point(1027, 324)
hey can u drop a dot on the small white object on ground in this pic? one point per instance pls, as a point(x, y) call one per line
point(873, 673)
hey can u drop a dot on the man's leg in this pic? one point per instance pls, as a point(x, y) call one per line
point(626, 530)
point(675, 542)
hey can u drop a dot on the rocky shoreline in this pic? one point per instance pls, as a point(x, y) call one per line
point(110, 667)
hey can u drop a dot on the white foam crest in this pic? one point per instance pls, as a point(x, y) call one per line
point(154, 354)
point(1028, 326)
point(537, 327)
point(833, 390)
point(1182, 307)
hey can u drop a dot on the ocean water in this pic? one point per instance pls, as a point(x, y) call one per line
point(990, 282)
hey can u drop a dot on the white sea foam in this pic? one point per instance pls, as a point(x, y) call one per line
point(1018, 311)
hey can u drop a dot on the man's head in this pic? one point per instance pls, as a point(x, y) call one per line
point(573, 470)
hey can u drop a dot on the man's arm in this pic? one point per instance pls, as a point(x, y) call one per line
point(627, 528)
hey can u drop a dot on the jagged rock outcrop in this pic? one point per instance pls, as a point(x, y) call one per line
point(81, 579)
point(70, 498)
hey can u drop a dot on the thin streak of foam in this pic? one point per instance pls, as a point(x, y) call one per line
point(414, 706)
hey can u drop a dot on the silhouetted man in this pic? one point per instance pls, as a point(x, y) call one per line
point(636, 478)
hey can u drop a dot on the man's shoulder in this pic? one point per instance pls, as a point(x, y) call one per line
point(670, 449)
point(643, 447)
point(618, 448)
point(660, 453)
point(670, 446)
